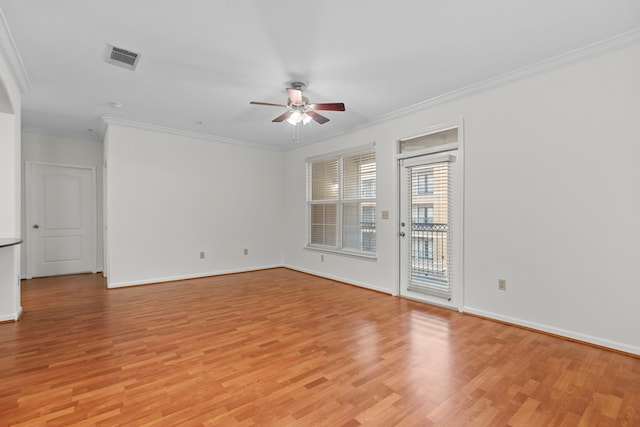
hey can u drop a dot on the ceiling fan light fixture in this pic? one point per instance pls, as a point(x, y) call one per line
point(295, 118)
point(298, 116)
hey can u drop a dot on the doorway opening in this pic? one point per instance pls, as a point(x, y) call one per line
point(430, 226)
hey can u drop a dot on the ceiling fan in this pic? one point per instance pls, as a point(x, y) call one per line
point(299, 110)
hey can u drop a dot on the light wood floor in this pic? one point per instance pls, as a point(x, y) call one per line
point(280, 348)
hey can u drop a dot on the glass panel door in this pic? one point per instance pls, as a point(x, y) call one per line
point(426, 247)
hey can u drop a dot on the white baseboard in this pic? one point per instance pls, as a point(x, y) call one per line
point(242, 270)
point(186, 276)
point(11, 317)
point(490, 315)
point(340, 279)
point(602, 342)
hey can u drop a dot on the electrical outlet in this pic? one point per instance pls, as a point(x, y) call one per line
point(321, 258)
point(246, 251)
point(201, 255)
point(502, 284)
point(385, 214)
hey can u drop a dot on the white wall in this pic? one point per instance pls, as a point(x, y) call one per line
point(9, 152)
point(552, 164)
point(39, 147)
point(9, 175)
point(551, 200)
point(170, 197)
point(10, 104)
point(379, 274)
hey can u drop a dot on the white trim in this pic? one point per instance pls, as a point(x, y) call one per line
point(437, 128)
point(556, 331)
point(340, 279)
point(428, 151)
point(179, 132)
point(429, 159)
point(458, 291)
point(11, 54)
point(521, 73)
point(430, 300)
point(340, 202)
point(453, 152)
point(60, 165)
point(340, 153)
point(93, 137)
point(350, 253)
point(12, 317)
point(433, 129)
point(29, 211)
point(156, 280)
point(555, 62)
point(7, 45)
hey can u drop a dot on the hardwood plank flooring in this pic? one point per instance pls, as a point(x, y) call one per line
point(283, 348)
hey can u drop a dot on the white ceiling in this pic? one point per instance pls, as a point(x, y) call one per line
point(202, 61)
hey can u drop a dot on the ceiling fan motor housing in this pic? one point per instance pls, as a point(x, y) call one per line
point(304, 105)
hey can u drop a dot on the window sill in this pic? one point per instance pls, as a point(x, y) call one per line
point(351, 254)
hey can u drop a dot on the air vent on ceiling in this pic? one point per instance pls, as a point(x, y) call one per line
point(123, 58)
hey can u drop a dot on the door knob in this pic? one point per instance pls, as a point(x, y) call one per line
point(36, 226)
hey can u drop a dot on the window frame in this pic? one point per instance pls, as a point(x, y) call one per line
point(424, 249)
point(367, 186)
point(428, 216)
point(425, 184)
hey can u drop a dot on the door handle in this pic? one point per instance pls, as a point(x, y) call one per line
point(402, 234)
point(36, 226)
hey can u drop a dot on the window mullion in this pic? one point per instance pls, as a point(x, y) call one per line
point(347, 183)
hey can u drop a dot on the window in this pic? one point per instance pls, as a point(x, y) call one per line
point(369, 188)
point(368, 227)
point(341, 202)
point(430, 141)
point(428, 265)
point(423, 249)
point(425, 183)
point(424, 215)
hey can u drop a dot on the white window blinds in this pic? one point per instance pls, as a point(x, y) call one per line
point(341, 202)
point(430, 248)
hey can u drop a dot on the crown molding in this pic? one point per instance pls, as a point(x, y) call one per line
point(552, 63)
point(7, 46)
point(12, 56)
point(70, 135)
point(589, 51)
point(162, 129)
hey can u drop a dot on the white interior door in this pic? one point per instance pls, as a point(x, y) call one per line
point(430, 228)
point(61, 220)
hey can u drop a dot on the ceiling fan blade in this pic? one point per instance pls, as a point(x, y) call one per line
point(267, 103)
point(330, 106)
point(282, 117)
point(295, 96)
point(317, 117)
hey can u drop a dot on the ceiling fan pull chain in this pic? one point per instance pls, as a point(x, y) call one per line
point(296, 133)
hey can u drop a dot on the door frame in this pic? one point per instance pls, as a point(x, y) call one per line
point(458, 290)
point(30, 240)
